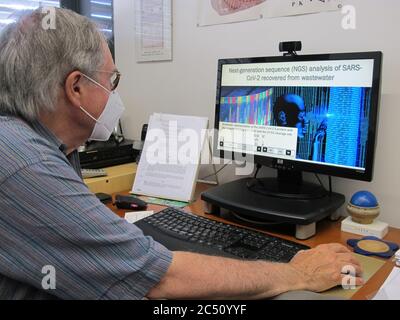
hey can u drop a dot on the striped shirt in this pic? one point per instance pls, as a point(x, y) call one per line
point(48, 217)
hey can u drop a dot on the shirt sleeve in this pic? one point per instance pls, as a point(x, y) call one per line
point(52, 219)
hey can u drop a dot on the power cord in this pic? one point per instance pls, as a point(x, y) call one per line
point(258, 167)
point(216, 172)
point(320, 182)
point(120, 128)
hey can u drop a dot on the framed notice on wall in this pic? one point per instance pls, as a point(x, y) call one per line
point(153, 30)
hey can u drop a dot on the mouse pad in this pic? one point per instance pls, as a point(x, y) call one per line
point(370, 266)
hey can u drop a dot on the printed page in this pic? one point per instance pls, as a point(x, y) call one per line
point(170, 159)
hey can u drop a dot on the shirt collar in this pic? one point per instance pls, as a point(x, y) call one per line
point(73, 157)
point(47, 134)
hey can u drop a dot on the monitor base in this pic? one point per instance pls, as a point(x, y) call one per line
point(275, 188)
point(237, 198)
point(287, 185)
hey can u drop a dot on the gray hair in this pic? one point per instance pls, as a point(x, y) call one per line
point(34, 62)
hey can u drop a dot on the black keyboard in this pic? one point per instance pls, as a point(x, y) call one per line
point(181, 231)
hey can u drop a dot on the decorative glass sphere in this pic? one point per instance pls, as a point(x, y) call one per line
point(363, 207)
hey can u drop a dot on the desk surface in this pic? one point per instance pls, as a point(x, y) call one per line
point(327, 232)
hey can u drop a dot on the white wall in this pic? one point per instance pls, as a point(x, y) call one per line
point(187, 85)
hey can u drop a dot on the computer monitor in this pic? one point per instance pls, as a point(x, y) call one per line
point(314, 113)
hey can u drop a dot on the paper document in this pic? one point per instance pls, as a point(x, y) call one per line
point(391, 288)
point(133, 217)
point(284, 8)
point(153, 21)
point(170, 159)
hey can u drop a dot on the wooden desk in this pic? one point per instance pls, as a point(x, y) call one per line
point(327, 232)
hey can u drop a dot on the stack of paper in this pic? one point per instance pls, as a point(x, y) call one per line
point(133, 217)
point(397, 257)
point(391, 288)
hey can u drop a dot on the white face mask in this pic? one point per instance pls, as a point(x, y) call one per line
point(109, 118)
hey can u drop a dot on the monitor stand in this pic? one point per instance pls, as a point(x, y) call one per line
point(240, 198)
point(287, 185)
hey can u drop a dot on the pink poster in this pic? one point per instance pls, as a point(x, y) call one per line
point(229, 11)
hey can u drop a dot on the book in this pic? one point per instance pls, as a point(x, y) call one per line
point(170, 159)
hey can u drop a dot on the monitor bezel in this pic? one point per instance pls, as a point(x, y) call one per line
point(295, 165)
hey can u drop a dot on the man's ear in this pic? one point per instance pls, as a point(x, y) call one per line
point(74, 88)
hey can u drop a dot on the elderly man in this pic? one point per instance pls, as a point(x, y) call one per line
point(57, 90)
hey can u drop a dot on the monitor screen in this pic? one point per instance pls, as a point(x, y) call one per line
point(313, 113)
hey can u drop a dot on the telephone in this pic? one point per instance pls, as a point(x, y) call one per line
point(142, 139)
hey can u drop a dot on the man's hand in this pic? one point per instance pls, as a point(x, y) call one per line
point(322, 267)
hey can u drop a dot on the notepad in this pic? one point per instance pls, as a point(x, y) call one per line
point(390, 290)
point(170, 159)
point(397, 258)
point(133, 217)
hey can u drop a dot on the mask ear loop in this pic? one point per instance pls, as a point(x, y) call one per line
point(95, 82)
point(101, 86)
point(88, 114)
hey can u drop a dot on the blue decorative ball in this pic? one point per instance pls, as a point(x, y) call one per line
point(363, 207)
point(364, 199)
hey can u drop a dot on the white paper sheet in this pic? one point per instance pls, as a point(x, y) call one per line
point(282, 8)
point(211, 12)
point(390, 290)
point(153, 30)
point(133, 217)
point(169, 162)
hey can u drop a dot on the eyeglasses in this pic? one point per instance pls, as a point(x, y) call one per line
point(115, 78)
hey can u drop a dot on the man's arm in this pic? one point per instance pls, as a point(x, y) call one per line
point(48, 217)
point(199, 276)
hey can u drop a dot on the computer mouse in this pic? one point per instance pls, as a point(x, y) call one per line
point(130, 203)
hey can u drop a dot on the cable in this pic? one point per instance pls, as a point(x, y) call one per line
point(259, 166)
point(330, 183)
point(120, 128)
point(216, 172)
point(320, 181)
